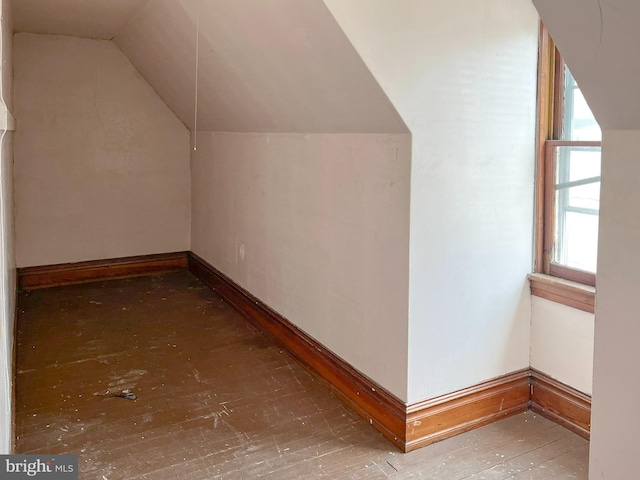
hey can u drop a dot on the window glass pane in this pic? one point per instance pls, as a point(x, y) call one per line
point(581, 241)
point(578, 123)
point(577, 205)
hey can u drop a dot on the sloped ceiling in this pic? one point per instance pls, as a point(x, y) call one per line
point(599, 41)
point(263, 66)
point(78, 18)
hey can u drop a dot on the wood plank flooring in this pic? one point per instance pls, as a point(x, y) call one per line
point(218, 400)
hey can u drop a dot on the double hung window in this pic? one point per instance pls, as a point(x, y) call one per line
point(568, 174)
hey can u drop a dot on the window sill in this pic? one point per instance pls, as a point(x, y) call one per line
point(562, 291)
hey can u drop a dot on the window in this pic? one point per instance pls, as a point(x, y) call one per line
point(568, 173)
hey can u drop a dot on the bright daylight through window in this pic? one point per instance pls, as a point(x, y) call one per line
point(571, 177)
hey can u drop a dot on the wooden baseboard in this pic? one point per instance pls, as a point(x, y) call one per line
point(561, 403)
point(409, 427)
point(31, 278)
point(413, 426)
point(457, 412)
point(379, 407)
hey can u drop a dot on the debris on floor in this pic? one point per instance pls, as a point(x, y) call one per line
point(128, 394)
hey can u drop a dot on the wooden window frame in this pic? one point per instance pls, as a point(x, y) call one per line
point(551, 83)
point(548, 233)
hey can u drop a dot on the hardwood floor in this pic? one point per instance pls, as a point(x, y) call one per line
point(217, 399)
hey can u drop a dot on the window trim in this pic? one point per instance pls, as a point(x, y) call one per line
point(559, 284)
point(544, 111)
point(550, 89)
point(565, 292)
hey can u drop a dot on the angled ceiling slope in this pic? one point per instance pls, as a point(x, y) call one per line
point(78, 18)
point(598, 40)
point(263, 66)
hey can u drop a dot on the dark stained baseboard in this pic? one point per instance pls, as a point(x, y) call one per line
point(31, 278)
point(561, 403)
point(457, 412)
point(408, 426)
point(379, 407)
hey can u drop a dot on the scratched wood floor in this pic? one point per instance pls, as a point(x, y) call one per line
point(218, 400)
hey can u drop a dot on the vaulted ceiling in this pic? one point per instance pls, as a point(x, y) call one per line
point(263, 66)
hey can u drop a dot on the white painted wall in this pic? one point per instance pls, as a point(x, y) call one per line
point(462, 74)
point(7, 257)
point(101, 163)
point(317, 227)
point(562, 343)
point(615, 415)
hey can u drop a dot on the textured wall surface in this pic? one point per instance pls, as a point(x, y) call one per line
point(562, 343)
point(317, 227)
point(463, 77)
point(101, 164)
